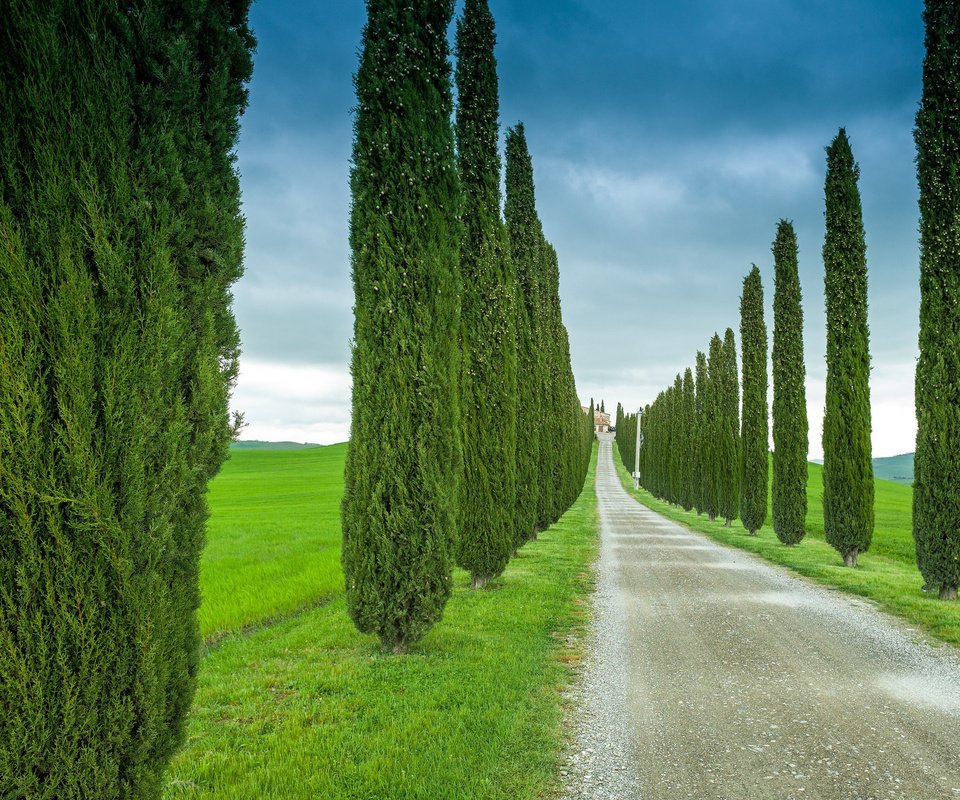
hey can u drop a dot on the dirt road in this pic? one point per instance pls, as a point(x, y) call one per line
point(713, 675)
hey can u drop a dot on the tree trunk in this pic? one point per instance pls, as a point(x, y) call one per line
point(713, 517)
point(850, 558)
point(948, 592)
point(479, 581)
point(727, 523)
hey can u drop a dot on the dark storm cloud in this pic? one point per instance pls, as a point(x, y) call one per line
point(668, 139)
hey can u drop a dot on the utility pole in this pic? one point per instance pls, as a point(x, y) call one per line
point(636, 454)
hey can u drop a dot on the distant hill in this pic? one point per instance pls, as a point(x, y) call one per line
point(892, 468)
point(256, 445)
point(895, 468)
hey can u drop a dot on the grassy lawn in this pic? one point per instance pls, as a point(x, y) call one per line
point(273, 541)
point(887, 574)
point(306, 707)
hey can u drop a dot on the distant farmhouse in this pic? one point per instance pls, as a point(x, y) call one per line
point(601, 420)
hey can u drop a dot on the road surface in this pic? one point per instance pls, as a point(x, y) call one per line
point(711, 674)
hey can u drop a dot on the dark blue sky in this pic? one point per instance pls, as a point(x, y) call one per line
point(668, 139)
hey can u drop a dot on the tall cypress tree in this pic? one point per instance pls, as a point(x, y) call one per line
point(790, 429)
point(713, 450)
point(643, 422)
point(936, 497)
point(488, 389)
point(688, 428)
point(847, 454)
point(701, 469)
point(556, 380)
point(728, 486)
point(526, 237)
point(119, 210)
point(404, 461)
point(677, 440)
point(755, 433)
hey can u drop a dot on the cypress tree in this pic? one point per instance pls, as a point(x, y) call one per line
point(677, 440)
point(119, 210)
point(789, 395)
point(556, 380)
point(622, 437)
point(488, 389)
point(701, 470)
point(688, 427)
point(404, 461)
point(618, 435)
point(713, 435)
point(754, 437)
point(847, 455)
point(728, 488)
point(936, 496)
point(525, 237)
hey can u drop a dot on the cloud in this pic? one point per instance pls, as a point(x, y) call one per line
point(283, 402)
point(617, 192)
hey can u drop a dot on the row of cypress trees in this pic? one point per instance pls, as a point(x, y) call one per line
point(848, 480)
point(690, 435)
point(120, 237)
point(695, 453)
point(467, 436)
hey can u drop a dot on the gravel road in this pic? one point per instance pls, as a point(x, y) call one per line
point(711, 674)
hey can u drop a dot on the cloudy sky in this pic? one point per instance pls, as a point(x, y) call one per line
point(668, 139)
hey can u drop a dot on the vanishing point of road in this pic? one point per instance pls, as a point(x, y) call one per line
point(712, 674)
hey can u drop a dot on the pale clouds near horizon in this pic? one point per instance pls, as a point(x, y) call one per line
point(667, 143)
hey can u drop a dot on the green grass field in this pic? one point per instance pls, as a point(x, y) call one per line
point(273, 541)
point(887, 574)
point(294, 703)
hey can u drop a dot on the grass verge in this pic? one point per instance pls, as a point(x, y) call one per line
point(886, 575)
point(310, 708)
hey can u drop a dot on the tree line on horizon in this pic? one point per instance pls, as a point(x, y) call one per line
point(467, 436)
point(847, 465)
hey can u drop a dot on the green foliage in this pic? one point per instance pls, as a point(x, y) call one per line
point(626, 438)
point(488, 388)
point(936, 504)
point(675, 451)
point(713, 465)
point(525, 236)
point(688, 441)
point(847, 464)
point(561, 442)
point(120, 235)
point(754, 436)
point(701, 468)
point(404, 465)
point(728, 441)
point(790, 429)
point(551, 463)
